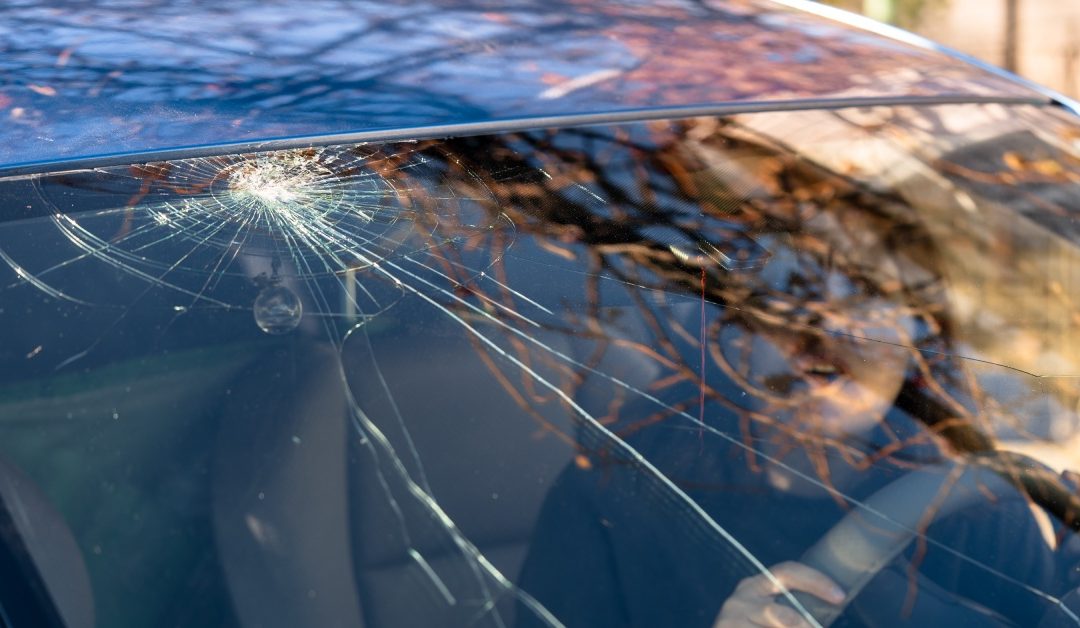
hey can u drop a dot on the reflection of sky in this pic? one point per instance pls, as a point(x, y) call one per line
point(123, 77)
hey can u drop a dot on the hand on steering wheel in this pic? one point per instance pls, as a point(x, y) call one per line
point(875, 532)
point(754, 601)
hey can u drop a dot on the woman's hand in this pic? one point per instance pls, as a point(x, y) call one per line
point(754, 601)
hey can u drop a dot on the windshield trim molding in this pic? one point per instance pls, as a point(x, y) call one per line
point(489, 127)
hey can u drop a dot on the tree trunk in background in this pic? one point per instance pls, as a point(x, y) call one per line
point(880, 10)
point(1012, 27)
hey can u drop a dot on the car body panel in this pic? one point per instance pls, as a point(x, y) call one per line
point(85, 80)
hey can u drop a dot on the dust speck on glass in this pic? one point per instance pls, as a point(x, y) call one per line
point(599, 376)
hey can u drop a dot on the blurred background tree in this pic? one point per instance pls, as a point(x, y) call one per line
point(1037, 39)
point(906, 14)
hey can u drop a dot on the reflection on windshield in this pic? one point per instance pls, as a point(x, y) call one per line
point(650, 374)
point(123, 76)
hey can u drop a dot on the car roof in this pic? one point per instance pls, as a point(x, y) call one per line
point(114, 79)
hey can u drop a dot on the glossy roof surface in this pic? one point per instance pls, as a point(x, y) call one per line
point(84, 79)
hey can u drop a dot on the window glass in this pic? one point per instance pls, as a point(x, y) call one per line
point(604, 376)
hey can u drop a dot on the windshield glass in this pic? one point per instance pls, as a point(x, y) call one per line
point(653, 374)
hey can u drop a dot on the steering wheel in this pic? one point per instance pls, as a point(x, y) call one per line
point(876, 531)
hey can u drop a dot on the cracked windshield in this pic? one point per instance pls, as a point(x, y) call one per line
point(817, 367)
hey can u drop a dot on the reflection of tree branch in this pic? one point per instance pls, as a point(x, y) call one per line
point(933, 395)
point(956, 430)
